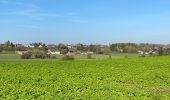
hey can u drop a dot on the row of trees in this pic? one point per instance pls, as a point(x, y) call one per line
point(10, 46)
point(96, 48)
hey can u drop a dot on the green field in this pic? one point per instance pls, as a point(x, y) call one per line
point(9, 56)
point(115, 79)
point(13, 56)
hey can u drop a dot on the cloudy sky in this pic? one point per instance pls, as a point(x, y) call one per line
point(85, 21)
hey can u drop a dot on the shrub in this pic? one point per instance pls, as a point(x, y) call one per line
point(110, 56)
point(67, 57)
point(142, 56)
point(26, 55)
point(40, 54)
point(89, 56)
point(53, 57)
point(1, 49)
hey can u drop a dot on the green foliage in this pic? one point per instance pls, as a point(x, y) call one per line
point(68, 57)
point(116, 79)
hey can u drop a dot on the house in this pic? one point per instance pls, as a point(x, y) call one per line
point(40, 46)
point(70, 46)
point(150, 52)
point(141, 52)
point(153, 52)
point(53, 52)
point(29, 46)
point(71, 52)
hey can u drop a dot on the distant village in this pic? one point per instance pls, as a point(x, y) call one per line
point(143, 49)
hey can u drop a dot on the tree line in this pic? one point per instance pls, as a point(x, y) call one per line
point(96, 48)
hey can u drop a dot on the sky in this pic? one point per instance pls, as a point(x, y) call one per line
point(85, 21)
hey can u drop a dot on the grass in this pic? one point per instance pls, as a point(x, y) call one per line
point(13, 56)
point(120, 79)
point(9, 56)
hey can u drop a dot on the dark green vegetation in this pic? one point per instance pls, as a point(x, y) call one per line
point(125, 79)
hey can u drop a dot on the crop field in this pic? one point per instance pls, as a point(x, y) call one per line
point(115, 79)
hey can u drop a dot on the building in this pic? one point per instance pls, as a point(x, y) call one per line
point(29, 46)
point(53, 52)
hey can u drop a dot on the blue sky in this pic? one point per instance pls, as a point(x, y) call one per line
point(85, 21)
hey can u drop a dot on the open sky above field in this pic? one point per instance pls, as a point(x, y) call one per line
point(85, 21)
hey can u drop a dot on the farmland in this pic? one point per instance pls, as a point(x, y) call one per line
point(13, 56)
point(118, 78)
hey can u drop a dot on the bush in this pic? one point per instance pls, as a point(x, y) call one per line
point(68, 57)
point(1, 49)
point(53, 57)
point(110, 56)
point(89, 56)
point(27, 55)
point(40, 54)
point(142, 56)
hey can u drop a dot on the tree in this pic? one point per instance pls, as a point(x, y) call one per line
point(113, 47)
point(12, 45)
point(167, 51)
point(160, 51)
point(36, 44)
point(99, 49)
point(80, 47)
point(1, 48)
point(9, 46)
point(63, 48)
point(130, 49)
